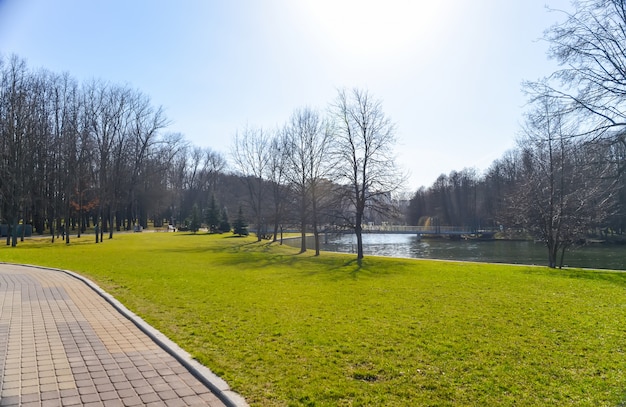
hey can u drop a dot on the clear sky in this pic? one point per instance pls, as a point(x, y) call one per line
point(448, 72)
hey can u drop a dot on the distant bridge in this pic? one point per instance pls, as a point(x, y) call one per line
point(445, 231)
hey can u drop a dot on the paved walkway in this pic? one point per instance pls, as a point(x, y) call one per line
point(64, 342)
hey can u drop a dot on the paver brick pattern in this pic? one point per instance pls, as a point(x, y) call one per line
point(61, 344)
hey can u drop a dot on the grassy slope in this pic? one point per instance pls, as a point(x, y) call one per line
point(287, 329)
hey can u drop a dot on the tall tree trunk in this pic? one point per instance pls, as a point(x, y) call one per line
point(275, 238)
point(67, 227)
point(303, 224)
point(302, 238)
point(553, 250)
point(358, 231)
point(316, 234)
point(562, 256)
point(110, 222)
point(14, 240)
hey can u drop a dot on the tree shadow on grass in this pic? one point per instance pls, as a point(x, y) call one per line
point(340, 270)
point(218, 235)
point(355, 266)
point(248, 253)
point(617, 277)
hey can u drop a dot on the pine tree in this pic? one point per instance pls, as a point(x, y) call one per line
point(194, 220)
point(240, 227)
point(212, 217)
point(224, 223)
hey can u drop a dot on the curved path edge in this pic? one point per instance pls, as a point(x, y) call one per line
point(215, 383)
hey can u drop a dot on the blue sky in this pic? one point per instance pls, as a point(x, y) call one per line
point(448, 73)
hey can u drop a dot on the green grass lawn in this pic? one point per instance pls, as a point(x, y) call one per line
point(287, 330)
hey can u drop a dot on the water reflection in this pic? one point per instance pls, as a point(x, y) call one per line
point(495, 251)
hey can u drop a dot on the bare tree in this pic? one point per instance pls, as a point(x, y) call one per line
point(590, 46)
point(124, 128)
point(251, 153)
point(279, 157)
point(320, 169)
point(563, 194)
point(145, 124)
point(308, 142)
point(65, 123)
point(105, 107)
point(17, 126)
point(363, 159)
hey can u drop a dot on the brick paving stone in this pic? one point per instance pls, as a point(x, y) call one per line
point(52, 387)
point(101, 388)
point(63, 344)
point(90, 398)
point(30, 398)
point(125, 393)
point(149, 398)
point(10, 400)
point(109, 395)
point(70, 401)
point(167, 395)
point(144, 390)
point(185, 392)
point(175, 403)
point(122, 385)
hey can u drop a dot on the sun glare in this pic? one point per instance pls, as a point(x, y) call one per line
point(385, 28)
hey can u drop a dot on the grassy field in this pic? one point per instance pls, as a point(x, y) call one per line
point(288, 330)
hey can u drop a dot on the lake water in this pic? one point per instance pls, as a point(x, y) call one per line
point(492, 251)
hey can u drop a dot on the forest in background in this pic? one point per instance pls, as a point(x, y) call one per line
point(78, 156)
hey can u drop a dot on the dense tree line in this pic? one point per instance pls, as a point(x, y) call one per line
point(510, 191)
point(96, 156)
point(74, 156)
point(93, 155)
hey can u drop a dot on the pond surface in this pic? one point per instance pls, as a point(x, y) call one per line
point(491, 251)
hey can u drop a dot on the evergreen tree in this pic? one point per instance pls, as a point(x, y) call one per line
point(212, 217)
point(194, 219)
point(240, 227)
point(224, 223)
